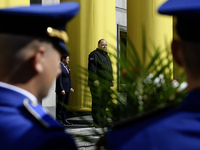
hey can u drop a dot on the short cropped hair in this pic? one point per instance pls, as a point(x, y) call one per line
point(100, 41)
point(64, 56)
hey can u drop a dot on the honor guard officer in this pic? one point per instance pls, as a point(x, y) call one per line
point(32, 40)
point(176, 128)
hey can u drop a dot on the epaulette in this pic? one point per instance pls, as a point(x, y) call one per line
point(40, 114)
point(143, 116)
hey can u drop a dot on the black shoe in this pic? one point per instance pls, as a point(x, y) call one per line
point(65, 122)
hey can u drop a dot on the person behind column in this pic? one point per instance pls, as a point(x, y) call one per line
point(175, 128)
point(100, 80)
point(63, 88)
point(32, 39)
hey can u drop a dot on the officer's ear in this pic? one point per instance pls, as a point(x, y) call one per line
point(39, 59)
point(177, 52)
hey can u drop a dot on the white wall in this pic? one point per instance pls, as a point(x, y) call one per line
point(121, 12)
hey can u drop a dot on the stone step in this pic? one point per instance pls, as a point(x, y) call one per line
point(81, 120)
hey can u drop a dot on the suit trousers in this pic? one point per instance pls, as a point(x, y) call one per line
point(61, 106)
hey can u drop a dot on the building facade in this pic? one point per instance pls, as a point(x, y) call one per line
point(112, 20)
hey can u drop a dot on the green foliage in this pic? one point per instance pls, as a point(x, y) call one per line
point(147, 83)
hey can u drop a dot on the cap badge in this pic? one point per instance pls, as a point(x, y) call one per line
point(58, 34)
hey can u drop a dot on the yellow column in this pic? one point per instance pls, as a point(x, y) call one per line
point(142, 14)
point(10, 3)
point(96, 20)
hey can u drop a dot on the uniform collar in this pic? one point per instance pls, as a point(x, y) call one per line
point(19, 90)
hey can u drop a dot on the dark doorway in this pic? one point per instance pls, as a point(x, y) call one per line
point(121, 50)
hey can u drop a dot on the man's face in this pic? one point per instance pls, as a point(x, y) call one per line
point(67, 60)
point(102, 45)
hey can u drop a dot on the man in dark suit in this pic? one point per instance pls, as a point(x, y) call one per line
point(100, 80)
point(34, 44)
point(63, 88)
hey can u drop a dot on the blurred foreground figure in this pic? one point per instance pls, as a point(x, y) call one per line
point(174, 128)
point(32, 40)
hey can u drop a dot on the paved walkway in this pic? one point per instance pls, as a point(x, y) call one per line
point(82, 127)
point(90, 133)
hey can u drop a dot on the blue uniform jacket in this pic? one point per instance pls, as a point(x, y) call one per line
point(26, 126)
point(177, 129)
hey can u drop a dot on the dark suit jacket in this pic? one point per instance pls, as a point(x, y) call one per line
point(63, 81)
